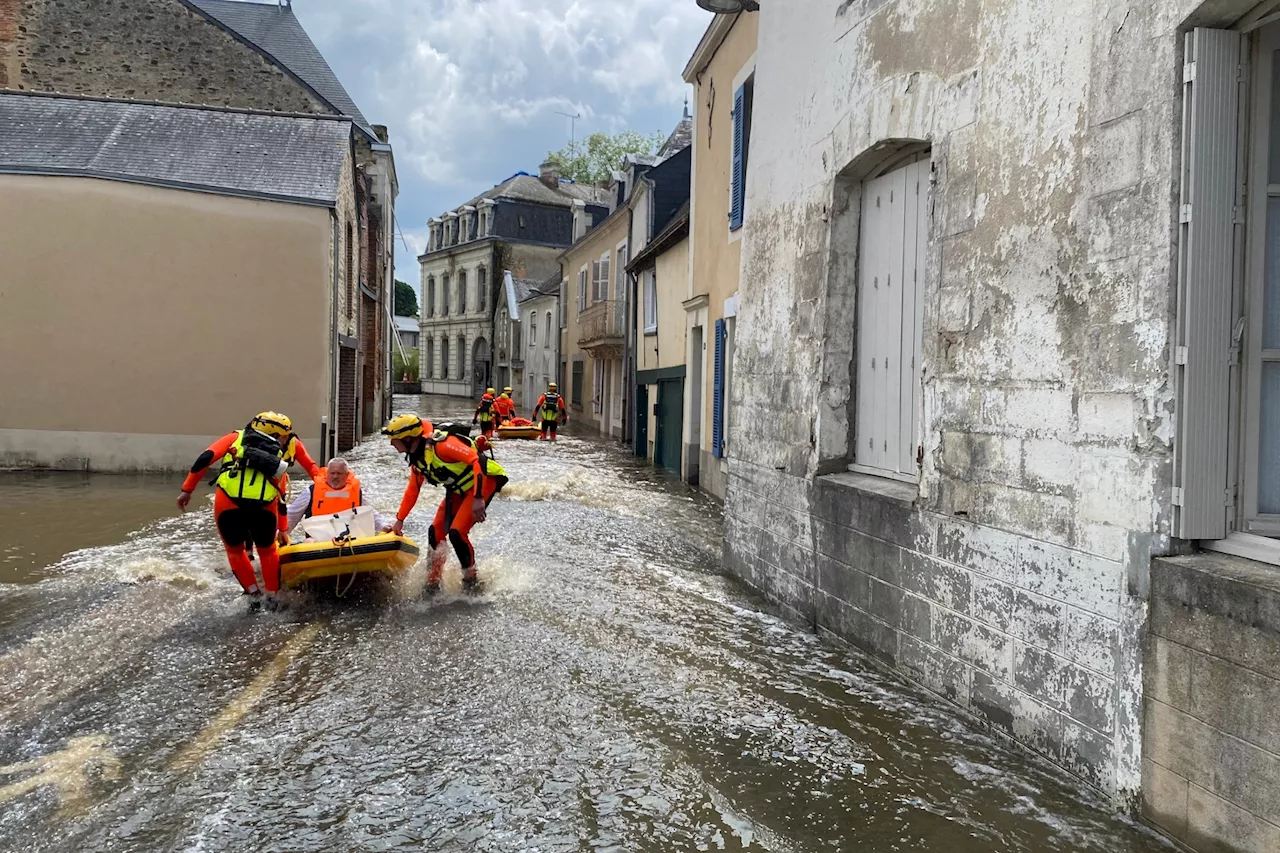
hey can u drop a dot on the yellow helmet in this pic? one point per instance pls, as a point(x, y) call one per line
point(272, 423)
point(506, 390)
point(551, 386)
point(406, 426)
point(490, 391)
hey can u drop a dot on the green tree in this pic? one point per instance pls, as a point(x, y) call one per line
point(592, 160)
point(406, 300)
point(402, 364)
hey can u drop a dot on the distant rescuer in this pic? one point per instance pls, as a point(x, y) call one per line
point(486, 413)
point(248, 505)
point(549, 412)
point(504, 406)
point(470, 481)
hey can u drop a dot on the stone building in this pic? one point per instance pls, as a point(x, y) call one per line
point(520, 225)
point(252, 56)
point(1004, 310)
point(526, 338)
point(157, 261)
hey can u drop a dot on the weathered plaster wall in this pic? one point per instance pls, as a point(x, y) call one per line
point(1010, 580)
point(148, 49)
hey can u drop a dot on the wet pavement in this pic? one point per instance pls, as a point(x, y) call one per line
point(610, 691)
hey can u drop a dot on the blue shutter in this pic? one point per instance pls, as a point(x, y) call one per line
point(739, 179)
point(717, 396)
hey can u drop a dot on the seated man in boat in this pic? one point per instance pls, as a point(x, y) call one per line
point(336, 489)
point(470, 481)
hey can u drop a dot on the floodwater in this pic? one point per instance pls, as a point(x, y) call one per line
point(610, 691)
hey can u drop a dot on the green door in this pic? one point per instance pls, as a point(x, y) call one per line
point(667, 447)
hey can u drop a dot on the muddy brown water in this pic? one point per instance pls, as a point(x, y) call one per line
point(610, 691)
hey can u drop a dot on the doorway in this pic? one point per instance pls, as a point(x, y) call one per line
point(642, 421)
point(667, 447)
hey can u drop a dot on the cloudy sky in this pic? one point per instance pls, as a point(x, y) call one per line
point(470, 90)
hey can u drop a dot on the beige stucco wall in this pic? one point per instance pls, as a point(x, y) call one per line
point(603, 238)
point(137, 322)
point(715, 257)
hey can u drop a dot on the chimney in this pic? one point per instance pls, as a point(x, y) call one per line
point(581, 220)
point(549, 174)
point(380, 131)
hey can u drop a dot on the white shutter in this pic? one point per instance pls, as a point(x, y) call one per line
point(915, 236)
point(1206, 265)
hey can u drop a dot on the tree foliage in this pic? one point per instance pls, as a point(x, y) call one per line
point(593, 160)
point(406, 300)
point(404, 364)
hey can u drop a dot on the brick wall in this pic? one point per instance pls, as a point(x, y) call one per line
point(347, 395)
point(147, 49)
point(1211, 740)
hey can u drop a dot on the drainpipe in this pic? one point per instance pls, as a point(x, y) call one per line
point(334, 357)
point(629, 349)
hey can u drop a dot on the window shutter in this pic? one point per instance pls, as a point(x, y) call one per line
point(717, 396)
point(582, 289)
point(595, 281)
point(605, 276)
point(736, 184)
point(1207, 243)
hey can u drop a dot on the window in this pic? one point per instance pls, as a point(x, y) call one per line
point(564, 304)
point(462, 292)
point(575, 386)
point(444, 358)
point(650, 302)
point(742, 104)
point(582, 290)
point(482, 286)
point(515, 341)
point(431, 296)
point(890, 312)
point(546, 342)
point(462, 357)
point(600, 278)
point(429, 360)
point(620, 274)
point(533, 330)
point(444, 295)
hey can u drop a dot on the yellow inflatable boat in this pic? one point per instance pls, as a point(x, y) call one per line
point(385, 553)
point(518, 431)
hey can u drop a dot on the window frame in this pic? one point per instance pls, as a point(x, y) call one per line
point(444, 294)
point(462, 357)
point(431, 296)
point(462, 292)
point(651, 301)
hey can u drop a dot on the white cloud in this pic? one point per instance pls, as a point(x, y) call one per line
point(470, 89)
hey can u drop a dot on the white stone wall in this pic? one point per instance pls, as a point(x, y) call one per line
point(1046, 411)
point(454, 379)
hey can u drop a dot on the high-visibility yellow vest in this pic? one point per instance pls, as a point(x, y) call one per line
point(240, 481)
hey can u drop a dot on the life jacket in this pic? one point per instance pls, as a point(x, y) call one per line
point(242, 481)
point(326, 500)
point(485, 409)
point(458, 477)
point(504, 406)
point(550, 406)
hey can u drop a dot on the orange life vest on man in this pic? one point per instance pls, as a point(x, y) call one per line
point(326, 500)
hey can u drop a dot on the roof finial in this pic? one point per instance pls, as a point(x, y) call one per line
point(686, 106)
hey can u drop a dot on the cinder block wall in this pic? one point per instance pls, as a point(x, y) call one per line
point(1211, 754)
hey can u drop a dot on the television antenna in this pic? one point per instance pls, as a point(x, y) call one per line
point(573, 119)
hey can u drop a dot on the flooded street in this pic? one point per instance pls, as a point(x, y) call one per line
point(610, 691)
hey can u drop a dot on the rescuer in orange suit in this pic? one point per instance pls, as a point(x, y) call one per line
point(486, 413)
point(504, 405)
point(248, 505)
point(470, 481)
point(549, 412)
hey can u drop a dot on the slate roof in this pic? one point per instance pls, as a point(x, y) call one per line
point(517, 290)
point(277, 32)
point(525, 187)
point(680, 138)
point(230, 152)
point(407, 324)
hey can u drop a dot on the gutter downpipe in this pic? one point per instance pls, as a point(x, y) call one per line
point(333, 338)
point(629, 393)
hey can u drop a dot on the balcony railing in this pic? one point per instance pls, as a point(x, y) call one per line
point(602, 323)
